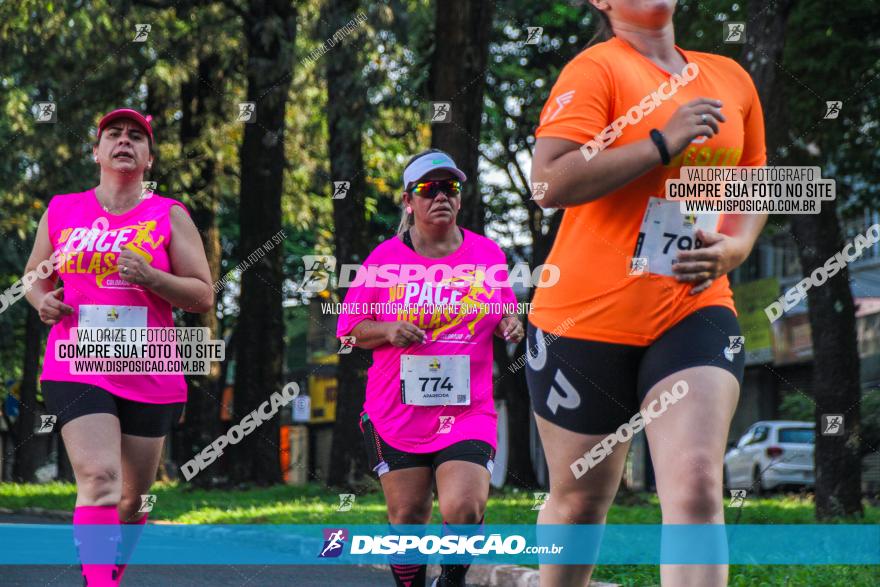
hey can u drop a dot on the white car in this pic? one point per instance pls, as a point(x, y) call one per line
point(772, 453)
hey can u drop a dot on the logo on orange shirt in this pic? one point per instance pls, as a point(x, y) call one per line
point(561, 101)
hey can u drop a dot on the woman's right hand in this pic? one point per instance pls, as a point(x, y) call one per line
point(698, 117)
point(52, 309)
point(403, 334)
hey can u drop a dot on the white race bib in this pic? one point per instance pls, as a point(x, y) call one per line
point(112, 316)
point(666, 231)
point(442, 380)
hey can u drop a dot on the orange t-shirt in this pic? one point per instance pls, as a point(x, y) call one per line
point(597, 239)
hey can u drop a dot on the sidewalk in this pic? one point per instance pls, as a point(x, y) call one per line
point(500, 576)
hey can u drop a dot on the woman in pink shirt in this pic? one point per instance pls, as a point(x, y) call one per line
point(126, 256)
point(429, 413)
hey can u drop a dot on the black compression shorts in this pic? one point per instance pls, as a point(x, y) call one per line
point(383, 457)
point(593, 387)
point(68, 400)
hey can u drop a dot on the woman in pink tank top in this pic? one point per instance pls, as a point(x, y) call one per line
point(125, 256)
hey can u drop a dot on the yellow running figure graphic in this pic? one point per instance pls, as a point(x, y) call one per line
point(470, 301)
point(143, 234)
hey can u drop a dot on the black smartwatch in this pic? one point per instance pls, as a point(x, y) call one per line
point(660, 142)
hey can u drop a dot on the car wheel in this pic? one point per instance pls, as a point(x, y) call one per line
point(757, 481)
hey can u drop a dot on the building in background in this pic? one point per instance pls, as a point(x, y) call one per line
point(779, 359)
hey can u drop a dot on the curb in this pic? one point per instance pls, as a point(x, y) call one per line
point(498, 576)
point(33, 511)
point(54, 514)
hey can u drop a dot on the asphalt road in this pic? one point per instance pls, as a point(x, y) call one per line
point(193, 576)
point(203, 576)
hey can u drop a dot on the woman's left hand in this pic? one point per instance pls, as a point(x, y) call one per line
point(719, 255)
point(134, 268)
point(510, 329)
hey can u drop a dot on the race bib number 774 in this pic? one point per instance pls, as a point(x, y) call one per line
point(439, 380)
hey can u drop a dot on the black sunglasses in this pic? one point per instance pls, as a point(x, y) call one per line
point(430, 189)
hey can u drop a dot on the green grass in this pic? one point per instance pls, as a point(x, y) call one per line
point(315, 504)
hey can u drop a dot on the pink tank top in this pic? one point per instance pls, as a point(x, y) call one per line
point(89, 241)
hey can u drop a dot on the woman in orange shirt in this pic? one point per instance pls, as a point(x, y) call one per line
point(654, 342)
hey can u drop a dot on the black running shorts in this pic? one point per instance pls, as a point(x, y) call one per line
point(68, 400)
point(593, 387)
point(383, 457)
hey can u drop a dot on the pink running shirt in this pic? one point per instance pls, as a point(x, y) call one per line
point(423, 429)
point(90, 240)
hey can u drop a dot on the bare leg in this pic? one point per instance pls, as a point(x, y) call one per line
point(408, 495)
point(687, 448)
point(93, 443)
point(462, 490)
point(576, 501)
point(140, 461)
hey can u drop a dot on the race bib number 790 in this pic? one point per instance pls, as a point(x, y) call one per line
point(666, 231)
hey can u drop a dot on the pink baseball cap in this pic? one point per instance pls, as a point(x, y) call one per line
point(143, 121)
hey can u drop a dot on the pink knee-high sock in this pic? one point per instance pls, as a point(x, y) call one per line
point(97, 543)
point(131, 533)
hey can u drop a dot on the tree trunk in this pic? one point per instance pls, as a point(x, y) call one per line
point(765, 42)
point(270, 31)
point(156, 101)
point(458, 75)
point(519, 462)
point(346, 119)
point(836, 385)
point(836, 382)
point(542, 243)
point(512, 387)
point(26, 449)
point(201, 105)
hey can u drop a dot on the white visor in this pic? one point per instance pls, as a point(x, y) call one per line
point(430, 162)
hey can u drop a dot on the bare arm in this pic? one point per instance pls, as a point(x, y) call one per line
point(188, 285)
point(370, 334)
point(723, 252)
point(572, 180)
point(41, 293)
point(745, 227)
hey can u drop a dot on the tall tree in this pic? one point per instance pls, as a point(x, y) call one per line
point(795, 138)
point(270, 33)
point(201, 106)
point(24, 469)
point(346, 119)
point(846, 148)
point(458, 75)
point(836, 378)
